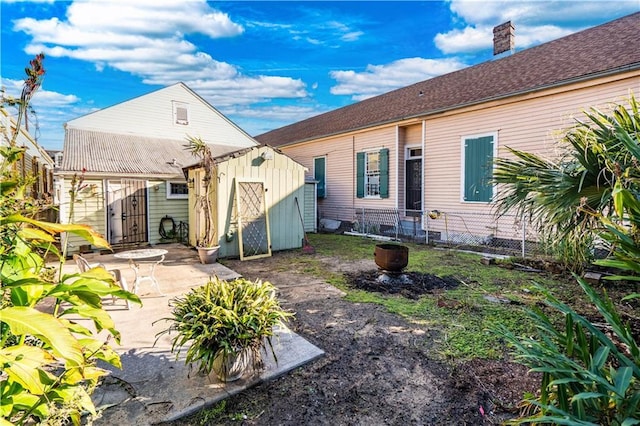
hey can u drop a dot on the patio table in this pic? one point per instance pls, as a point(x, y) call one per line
point(143, 256)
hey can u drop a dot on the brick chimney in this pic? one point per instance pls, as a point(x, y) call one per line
point(504, 36)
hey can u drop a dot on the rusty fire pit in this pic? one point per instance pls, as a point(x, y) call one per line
point(391, 257)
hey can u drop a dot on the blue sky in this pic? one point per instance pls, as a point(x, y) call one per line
point(262, 64)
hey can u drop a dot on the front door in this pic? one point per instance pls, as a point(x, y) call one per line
point(413, 185)
point(127, 200)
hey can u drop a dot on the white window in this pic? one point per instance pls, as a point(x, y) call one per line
point(372, 174)
point(177, 190)
point(181, 113)
point(372, 169)
point(58, 159)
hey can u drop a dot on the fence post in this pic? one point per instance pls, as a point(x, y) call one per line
point(364, 223)
point(425, 219)
point(524, 234)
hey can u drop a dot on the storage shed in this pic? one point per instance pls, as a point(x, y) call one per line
point(258, 199)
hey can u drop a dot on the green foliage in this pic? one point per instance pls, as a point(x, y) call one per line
point(204, 201)
point(561, 195)
point(224, 317)
point(47, 359)
point(589, 376)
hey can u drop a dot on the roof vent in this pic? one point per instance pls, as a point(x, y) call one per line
point(504, 38)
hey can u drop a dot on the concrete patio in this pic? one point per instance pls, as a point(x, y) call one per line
point(153, 386)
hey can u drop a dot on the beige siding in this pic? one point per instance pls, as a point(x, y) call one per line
point(533, 122)
point(340, 153)
point(533, 125)
point(161, 206)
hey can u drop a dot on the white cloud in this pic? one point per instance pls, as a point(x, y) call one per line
point(51, 110)
point(316, 27)
point(464, 40)
point(377, 79)
point(535, 22)
point(136, 37)
point(260, 119)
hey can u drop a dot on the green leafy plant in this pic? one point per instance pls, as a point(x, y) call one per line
point(204, 203)
point(560, 195)
point(48, 359)
point(590, 373)
point(223, 318)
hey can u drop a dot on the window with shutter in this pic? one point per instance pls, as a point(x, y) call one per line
point(372, 174)
point(320, 175)
point(478, 154)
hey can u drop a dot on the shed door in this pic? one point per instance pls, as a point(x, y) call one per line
point(253, 220)
point(127, 211)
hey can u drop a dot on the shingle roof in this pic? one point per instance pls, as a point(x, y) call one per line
point(111, 153)
point(609, 48)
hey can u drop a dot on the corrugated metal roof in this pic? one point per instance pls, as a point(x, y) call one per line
point(111, 153)
point(608, 48)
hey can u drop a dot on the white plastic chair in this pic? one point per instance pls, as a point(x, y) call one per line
point(84, 266)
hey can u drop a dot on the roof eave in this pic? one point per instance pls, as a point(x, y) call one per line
point(428, 113)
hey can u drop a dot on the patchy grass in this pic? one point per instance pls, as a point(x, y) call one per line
point(464, 316)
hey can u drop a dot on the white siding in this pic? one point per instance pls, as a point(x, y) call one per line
point(152, 115)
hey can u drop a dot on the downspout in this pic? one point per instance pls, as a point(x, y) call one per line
point(425, 226)
point(397, 189)
point(354, 178)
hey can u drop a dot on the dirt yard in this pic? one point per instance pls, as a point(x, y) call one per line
point(378, 368)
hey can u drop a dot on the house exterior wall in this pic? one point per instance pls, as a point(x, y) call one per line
point(161, 206)
point(153, 115)
point(340, 152)
point(531, 122)
point(89, 209)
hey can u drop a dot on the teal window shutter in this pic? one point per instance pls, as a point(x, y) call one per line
point(384, 173)
point(360, 175)
point(478, 163)
point(319, 172)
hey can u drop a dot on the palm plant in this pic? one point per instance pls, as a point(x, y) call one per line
point(223, 320)
point(560, 195)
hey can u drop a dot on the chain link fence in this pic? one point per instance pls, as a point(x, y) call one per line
point(475, 231)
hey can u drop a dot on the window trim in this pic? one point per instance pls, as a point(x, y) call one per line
point(384, 173)
point(366, 176)
point(463, 167)
point(183, 105)
point(171, 196)
point(324, 158)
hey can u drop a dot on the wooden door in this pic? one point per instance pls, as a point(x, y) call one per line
point(253, 220)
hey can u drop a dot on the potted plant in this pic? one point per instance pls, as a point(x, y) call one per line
point(206, 243)
point(225, 325)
